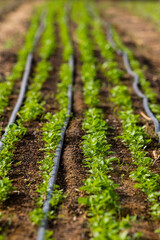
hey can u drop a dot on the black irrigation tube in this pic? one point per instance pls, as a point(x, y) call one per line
point(24, 79)
point(136, 80)
point(58, 153)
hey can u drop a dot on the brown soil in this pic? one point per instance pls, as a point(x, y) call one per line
point(14, 24)
point(25, 172)
point(71, 215)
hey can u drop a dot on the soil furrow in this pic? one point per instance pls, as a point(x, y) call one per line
point(71, 215)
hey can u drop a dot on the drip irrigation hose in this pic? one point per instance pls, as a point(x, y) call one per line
point(136, 81)
point(24, 79)
point(52, 181)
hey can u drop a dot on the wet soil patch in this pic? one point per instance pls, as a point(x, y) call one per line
point(71, 222)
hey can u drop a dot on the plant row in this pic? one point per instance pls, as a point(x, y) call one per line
point(133, 135)
point(101, 198)
point(51, 130)
point(31, 109)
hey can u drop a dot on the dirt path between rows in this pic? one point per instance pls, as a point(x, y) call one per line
point(72, 217)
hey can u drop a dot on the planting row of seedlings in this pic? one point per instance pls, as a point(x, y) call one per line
point(32, 108)
point(15, 131)
point(53, 132)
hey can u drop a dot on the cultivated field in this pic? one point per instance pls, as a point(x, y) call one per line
point(79, 120)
